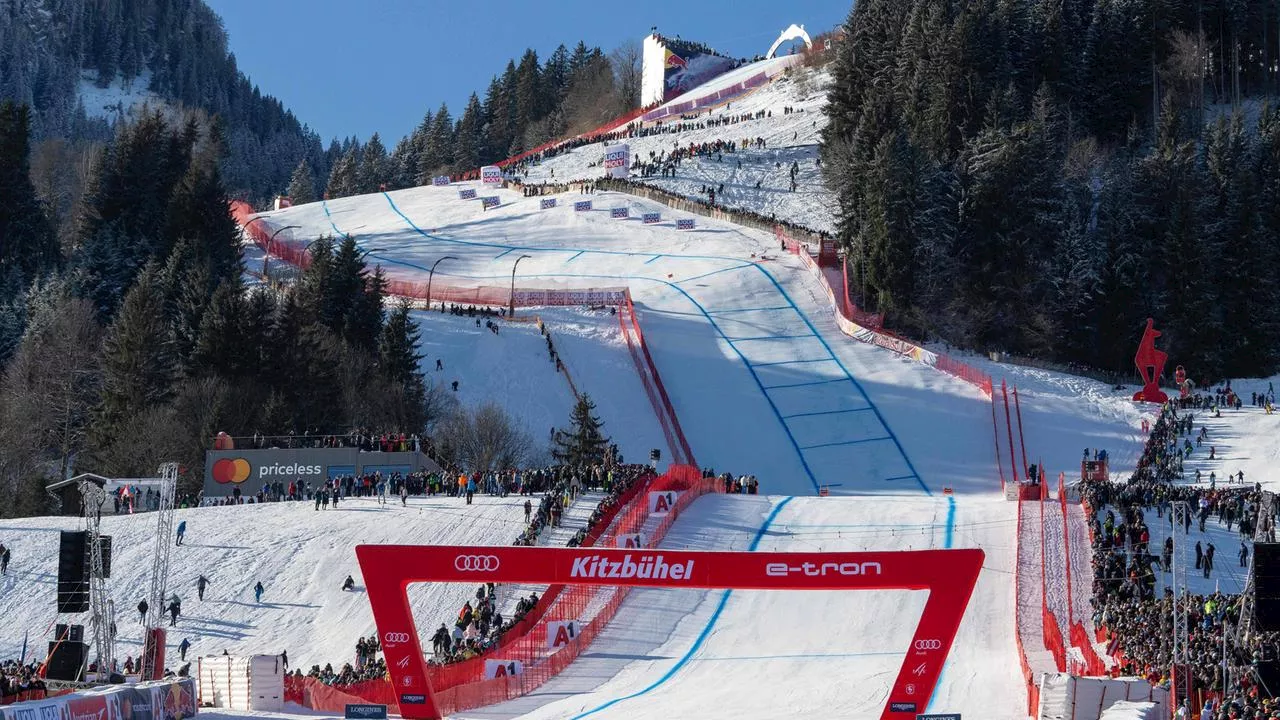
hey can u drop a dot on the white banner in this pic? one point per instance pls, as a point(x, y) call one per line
point(660, 503)
point(502, 668)
point(491, 175)
point(600, 296)
point(617, 160)
point(630, 541)
point(561, 633)
point(440, 180)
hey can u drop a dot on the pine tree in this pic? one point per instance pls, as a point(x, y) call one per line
point(582, 444)
point(437, 150)
point(302, 188)
point(28, 247)
point(138, 362)
point(344, 179)
point(374, 170)
point(399, 361)
point(469, 143)
point(198, 213)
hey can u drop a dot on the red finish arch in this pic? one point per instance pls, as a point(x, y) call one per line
point(948, 575)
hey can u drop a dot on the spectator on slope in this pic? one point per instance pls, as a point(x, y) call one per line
point(284, 660)
point(257, 592)
point(4, 560)
point(202, 582)
point(349, 584)
point(175, 609)
point(182, 649)
point(142, 612)
point(182, 530)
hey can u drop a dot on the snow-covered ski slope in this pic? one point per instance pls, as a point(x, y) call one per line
point(792, 137)
point(765, 654)
point(761, 378)
point(300, 555)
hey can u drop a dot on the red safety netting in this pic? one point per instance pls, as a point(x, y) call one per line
point(1033, 690)
point(652, 381)
point(593, 607)
point(1053, 641)
point(1093, 664)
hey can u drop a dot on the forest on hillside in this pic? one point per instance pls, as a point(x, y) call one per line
point(1041, 176)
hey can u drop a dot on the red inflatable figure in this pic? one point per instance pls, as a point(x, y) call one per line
point(1150, 362)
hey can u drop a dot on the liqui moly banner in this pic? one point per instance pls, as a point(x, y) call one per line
point(491, 175)
point(617, 160)
point(440, 180)
point(650, 218)
point(684, 224)
point(561, 633)
point(630, 541)
point(605, 296)
point(490, 201)
point(547, 203)
point(618, 213)
point(660, 503)
point(468, 194)
point(582, 206)
point(949, 576)
point(502, 668)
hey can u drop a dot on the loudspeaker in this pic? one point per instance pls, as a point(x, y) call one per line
point(71, 557)
point(104, 544)
point(68, 633)
point(1266, 584)
point(67, 661)
point(73, 597)
point(1269, 676)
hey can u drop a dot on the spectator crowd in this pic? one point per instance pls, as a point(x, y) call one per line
point(1138, 620)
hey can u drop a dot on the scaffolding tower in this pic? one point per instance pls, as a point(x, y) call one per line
point(153, 653)
point(1180, 670)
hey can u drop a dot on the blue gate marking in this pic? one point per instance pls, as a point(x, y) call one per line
point(829, 412)
point(807, 383)
point(777, 286)
point(702, 636)
point(846, 442)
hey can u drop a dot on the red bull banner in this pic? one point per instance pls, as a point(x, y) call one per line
point(948, 575)
point(686, 69)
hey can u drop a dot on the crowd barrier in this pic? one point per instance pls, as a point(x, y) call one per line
point(24, 696)
point(629, 320)
point(1033, 688)
point(173, 699)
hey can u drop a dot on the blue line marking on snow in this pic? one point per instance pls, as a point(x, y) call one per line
point(777, 286)
point(950, 535)
point(827, 412)
point(900, 477)
point(702, 636)
point(738, 310)
point(715, 272)
point(792, 362)
point(652, 259)
point(846, 442)
point(770, 337)
point(799, 656)
point(504, 252)
point(806, 384)
point(575, 257)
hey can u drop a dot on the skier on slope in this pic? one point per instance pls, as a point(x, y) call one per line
point(349, 583)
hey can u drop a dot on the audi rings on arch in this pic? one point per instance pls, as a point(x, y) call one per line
point(475, 563)
point(392, 639)
point(928, 645)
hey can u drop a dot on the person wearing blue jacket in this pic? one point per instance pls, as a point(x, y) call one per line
point(182, 530)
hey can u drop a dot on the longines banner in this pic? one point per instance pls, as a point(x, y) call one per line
point(248, 470)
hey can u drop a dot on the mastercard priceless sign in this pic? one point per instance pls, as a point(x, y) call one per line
point(249, 468)
point(234, 471)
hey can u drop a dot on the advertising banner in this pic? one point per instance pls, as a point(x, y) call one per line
point(687, 68)
point(468, 194)
point(582, 206)
point(630, 541)
point(502, 668)
point(949, 576)
point(617, 160)
point(93, 707)
point(547, 203)
point(599, 296)
point(684, 224)
point(440, 180)
point(618, 213)
point(561, 633)
point(38, 710)
point(650, 218)
point(490, 201)
point(660, 503)
point(248, 470)
point(491, 175)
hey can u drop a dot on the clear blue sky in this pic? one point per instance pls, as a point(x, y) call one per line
point(353, 67)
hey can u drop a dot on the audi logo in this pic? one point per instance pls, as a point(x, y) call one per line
point(476, 563)
point(395, 638)
point(928, 645)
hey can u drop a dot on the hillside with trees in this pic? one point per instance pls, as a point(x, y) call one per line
point(1040, 177)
